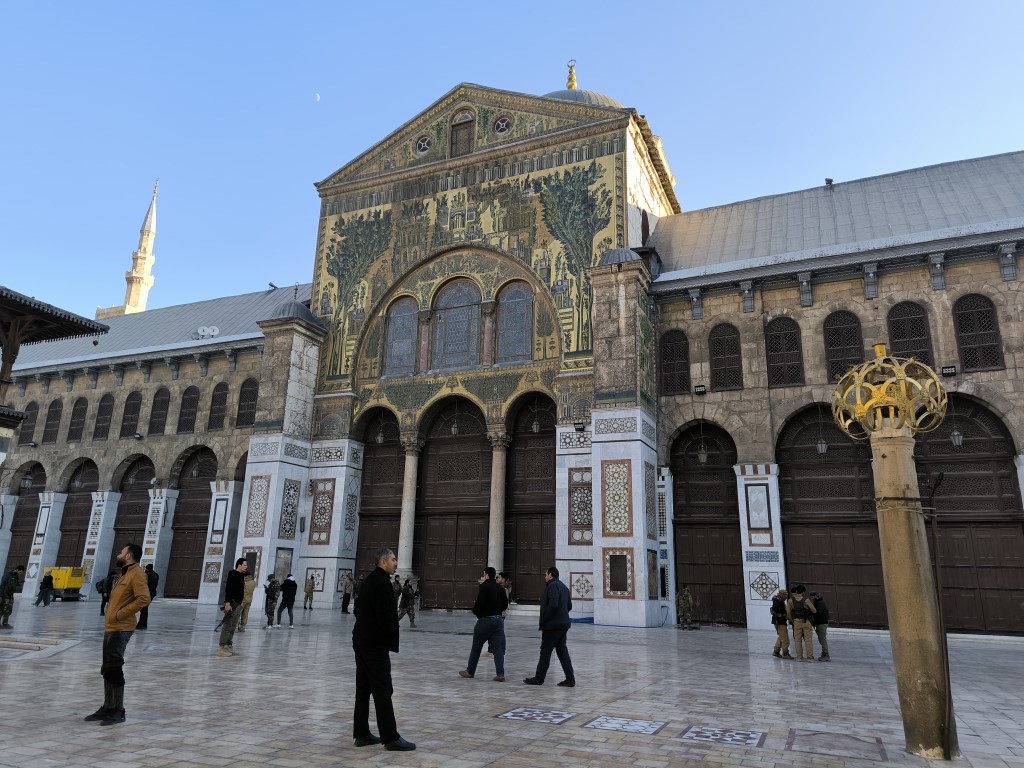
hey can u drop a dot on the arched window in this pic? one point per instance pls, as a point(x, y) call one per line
point(977, 333)
point(247, 397)
point(456, 320)
point(400, 344)
point(463, 134)
point(675, 363)
point(785, 359)
point(726, 363)
point(27, 431)
point(52, 427)
point(218, 407)
point(189, 409)
point(78, 413)
point(158, 416)
point(104, 414)
point(844, 343)
point(909, 334)
point(515, 324)
point(130, 417)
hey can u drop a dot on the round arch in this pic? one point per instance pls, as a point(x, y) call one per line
point(136, 478)
point(381, 490)
point(706, 524)
point(83, 480)
point(28, 482)
point(193, 472)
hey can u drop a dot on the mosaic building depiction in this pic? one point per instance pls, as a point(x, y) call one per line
point(517, 350)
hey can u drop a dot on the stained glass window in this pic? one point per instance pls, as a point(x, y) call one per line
point(400, 349)
point(844, 343)
point(726, 363)
point(909, 334)
point(515, 324)
point(977, 333)
point(456, 321)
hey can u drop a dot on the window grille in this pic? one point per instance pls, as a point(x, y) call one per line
point(400, 344)
point(785, 359)
point(189, 409)
point(78, 413)
point(27, 430)
point(218, 407)
point(515, 324)
point(844, 343)
point(675, 363)
point(104, 414)
point(158, 416)
point(130, 417)
point(909, 334)
point(462, 138)
point(581, 506)
point(726, 363)
point(977, 333)
point(456, 319)
point(248, 396)
point(52, 427)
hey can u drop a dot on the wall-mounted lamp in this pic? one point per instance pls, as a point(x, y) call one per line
point(822, 445)
point(26, 482)
point(32, 444)
point(702, 453)
point(948, 370)
point(579, 426)
point(455, 427)
point(536, 425)
point(379, 439)
point(956, 437)
point(700, 389)
point(138, 436)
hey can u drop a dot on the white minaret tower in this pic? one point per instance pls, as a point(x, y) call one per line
point(139, 278)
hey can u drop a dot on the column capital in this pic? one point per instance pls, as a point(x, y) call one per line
point(500, 441)
point(413, 445)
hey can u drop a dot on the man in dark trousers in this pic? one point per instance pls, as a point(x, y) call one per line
point(234, 594)
point(8, 589)
point(288, 589)
point(152, 580)
point(374, 638)
point(491, 602)
point(45, 590)
point(555, 605)
point(128, 595)
point(820, 622)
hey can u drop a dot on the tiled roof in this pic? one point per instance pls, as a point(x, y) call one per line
point(985, 194)
point(168, 329)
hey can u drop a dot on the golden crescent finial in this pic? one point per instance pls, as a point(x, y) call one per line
point(571, 82)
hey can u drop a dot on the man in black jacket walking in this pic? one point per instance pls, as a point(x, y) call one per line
point(555, 605)
point(234, 593)
point(374, 638)
point(491, 602)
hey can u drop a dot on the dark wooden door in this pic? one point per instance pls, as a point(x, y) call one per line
point(190, 524)
point(529, 550)
point(706, 524)
point(380, 508)
point(77, 510)
point(26, 514)
point(376, 531)
point(132, 510)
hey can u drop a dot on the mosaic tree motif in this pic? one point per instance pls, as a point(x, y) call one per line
point(352, 249)
point(575, 214)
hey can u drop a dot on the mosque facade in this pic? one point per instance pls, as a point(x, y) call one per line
point(516, 350)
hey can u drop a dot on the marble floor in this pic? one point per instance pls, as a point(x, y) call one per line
point(644, 697)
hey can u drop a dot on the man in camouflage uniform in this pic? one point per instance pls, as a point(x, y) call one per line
point(684, 608)
point(273, 587)
point(250, 588)
point(307, 594)
point(407, 604)
point(8, 588)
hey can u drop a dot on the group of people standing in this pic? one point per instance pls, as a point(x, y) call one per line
point(804, 611)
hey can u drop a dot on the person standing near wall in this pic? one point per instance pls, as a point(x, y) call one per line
point(307, 595)
point(346, 591)
point(250, 589)
point(820, 622)
point(288, 590)
point(800, 610)
point(234, 594)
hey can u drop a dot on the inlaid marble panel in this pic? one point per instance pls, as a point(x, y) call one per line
point(617, 506)
point(256, 510)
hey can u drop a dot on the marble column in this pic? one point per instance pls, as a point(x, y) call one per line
point(99, 539)
point(764, 561)
point(156, 543)
point(496, 530)
point(413, 446)
point(221, 537)
point(487, 309)
point(45, 540)
point(423, 350)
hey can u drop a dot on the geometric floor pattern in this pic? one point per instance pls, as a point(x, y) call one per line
point(625, 725)
point(730, 736)
point(529, 714)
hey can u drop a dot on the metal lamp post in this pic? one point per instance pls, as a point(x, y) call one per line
point(888, 400)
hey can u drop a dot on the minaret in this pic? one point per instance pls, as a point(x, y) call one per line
point(139, 278)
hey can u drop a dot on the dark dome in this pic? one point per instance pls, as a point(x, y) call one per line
point(585, 97)
point(295, 310)
point(617, 256)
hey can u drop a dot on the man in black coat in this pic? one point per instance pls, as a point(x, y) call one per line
point(374, 638)
point(491, 602)
point(234, 593)
point(152, 581)
point(555, 605)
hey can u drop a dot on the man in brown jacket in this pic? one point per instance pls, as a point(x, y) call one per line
point(129, 595)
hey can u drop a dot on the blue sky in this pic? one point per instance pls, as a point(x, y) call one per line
point(99, 99)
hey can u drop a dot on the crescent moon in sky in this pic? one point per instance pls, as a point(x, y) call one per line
point(317, 96)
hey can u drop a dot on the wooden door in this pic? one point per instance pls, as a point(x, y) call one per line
point(74, 523)
point(190, 524)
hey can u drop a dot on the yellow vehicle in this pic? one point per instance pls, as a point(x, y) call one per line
point(67, 582)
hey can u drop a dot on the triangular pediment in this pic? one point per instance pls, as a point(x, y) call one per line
point(502, 119)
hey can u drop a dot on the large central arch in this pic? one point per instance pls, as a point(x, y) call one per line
point(74, 523)
point(190, 523)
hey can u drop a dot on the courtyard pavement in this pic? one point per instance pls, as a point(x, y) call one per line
point(644, 697)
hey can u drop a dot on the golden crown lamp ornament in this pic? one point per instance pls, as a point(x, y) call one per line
point(888, 392)
point(571, 82)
